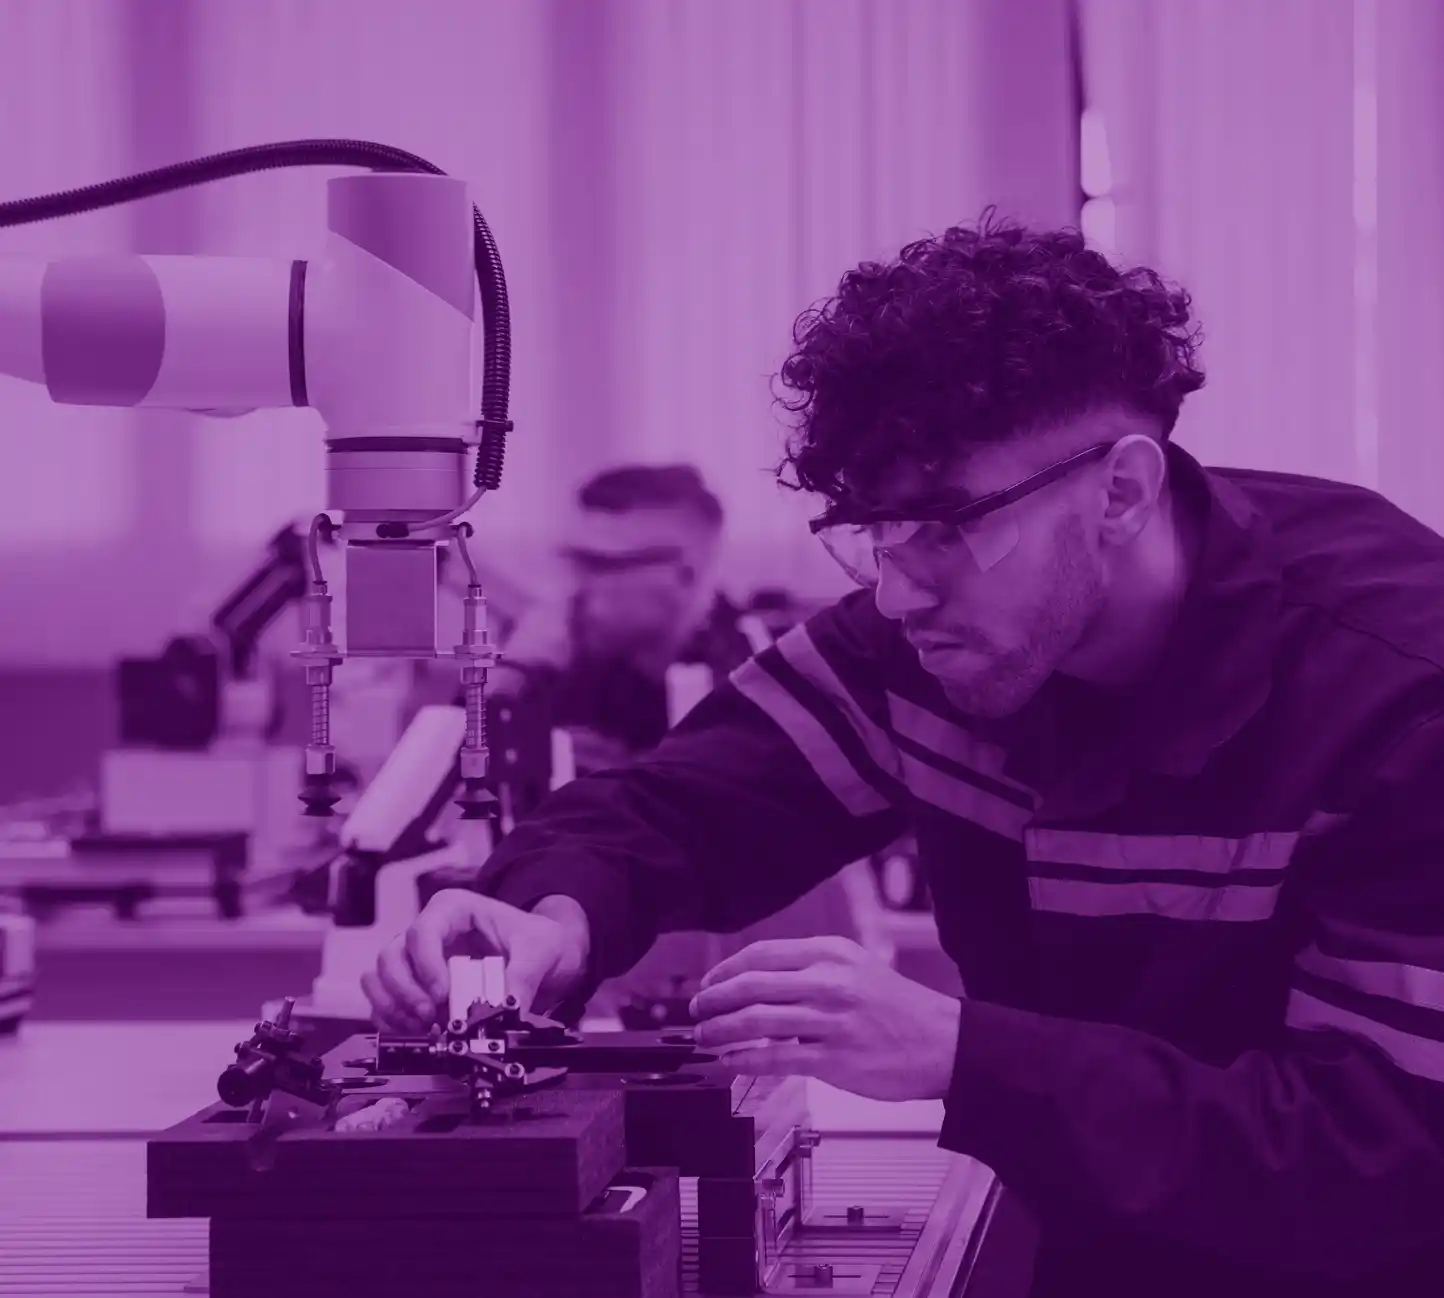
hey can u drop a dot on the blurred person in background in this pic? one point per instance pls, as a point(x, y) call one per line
point(1171, 741)
point(641, 553)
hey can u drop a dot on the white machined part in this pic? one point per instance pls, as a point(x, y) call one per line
point(470, 980)
point(384, 357)
point(227, 333)
point(493, 976)
point(407, 781)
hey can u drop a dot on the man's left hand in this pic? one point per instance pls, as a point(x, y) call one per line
point(826, 1007)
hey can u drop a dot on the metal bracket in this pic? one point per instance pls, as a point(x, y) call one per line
point(279, 1113)
point(784, 1192)
point(855, 1219)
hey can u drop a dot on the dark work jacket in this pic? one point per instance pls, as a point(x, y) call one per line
point(1201, 930)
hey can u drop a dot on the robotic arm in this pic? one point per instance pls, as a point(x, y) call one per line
point(282, 578)
point(376, 336)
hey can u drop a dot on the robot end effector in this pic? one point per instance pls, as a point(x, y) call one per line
point(391, 587)
point(376, 336)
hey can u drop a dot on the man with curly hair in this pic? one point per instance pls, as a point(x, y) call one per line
point(1171, 743)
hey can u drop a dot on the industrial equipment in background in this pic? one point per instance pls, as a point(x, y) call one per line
point(17, 967)
point(197, 785)
point(376, 336)
point(200, 686)
point(404, 829)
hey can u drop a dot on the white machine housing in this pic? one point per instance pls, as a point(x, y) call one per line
point(375, 335)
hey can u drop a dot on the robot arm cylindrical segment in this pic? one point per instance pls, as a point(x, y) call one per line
point(164, 331)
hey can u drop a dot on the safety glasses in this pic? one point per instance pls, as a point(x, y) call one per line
point(602, 563)
point(934, 535)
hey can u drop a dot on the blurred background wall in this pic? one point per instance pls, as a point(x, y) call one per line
point(670, 182)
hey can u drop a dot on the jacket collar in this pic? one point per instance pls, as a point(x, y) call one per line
point(1215, 673)
point(1217, 668)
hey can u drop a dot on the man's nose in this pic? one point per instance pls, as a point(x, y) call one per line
point(898, 594)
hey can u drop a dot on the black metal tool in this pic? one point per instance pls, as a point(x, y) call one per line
point(501, 1050)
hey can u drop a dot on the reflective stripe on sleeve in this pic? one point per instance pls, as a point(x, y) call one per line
point(810, 737)
point(1186, 876)
point(1407, 983)
point(960, 798)
point(798, 648)
point(952, 769)
point(1421, 1056)
point(1171, 852)
point(1229, 904)
point(930, 731)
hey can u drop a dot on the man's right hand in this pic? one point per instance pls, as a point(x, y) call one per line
point(545, 952)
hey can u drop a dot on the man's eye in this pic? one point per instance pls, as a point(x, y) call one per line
point(940, 536)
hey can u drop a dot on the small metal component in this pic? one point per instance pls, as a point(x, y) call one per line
point(783, 1196)
point(477, 656)
point(471, 980)
point(851, 1280)
point(496, 1049)
point(320, 656)
point(281, 1087)
point(391, 595)
point(855, 1220)
point(270, 1061)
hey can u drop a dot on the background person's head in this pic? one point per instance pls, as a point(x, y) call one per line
point(976, 359)
point(643, 553)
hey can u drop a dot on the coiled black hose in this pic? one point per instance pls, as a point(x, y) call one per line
point(495, 307)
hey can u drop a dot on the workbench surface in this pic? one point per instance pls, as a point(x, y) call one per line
point(78, 1099)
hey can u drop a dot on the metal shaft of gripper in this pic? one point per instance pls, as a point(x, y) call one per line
point(477, 656)
point(320, 656)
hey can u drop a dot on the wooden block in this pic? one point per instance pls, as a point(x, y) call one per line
point(546, 1154)
point(726, 1206)
point(725, 1266)
point(711, 1125)
point(604, 1253)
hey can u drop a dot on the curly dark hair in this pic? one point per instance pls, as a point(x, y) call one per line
point(981, 334)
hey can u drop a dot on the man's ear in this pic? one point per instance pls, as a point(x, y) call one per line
point(1134, 474)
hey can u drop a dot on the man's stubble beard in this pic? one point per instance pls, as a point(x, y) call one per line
point(1073, 594)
